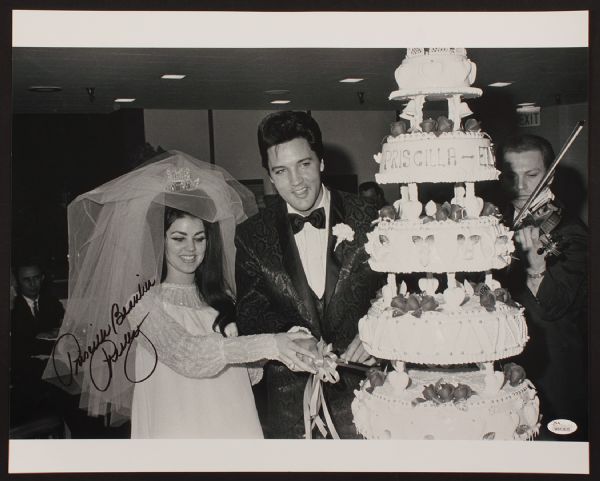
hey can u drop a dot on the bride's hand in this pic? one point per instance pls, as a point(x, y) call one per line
point(295, 356)
point(231, 330)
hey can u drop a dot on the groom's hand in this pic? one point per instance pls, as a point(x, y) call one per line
point(310, 343)
point(357, 353)
point(294, 352)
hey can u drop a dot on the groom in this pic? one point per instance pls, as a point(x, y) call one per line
point(291, 270)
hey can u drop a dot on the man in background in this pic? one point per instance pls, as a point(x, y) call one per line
point(372, 190)
point(35, 315)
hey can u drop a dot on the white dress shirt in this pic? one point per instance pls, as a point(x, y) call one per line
point(30, 303)
point(312, 247)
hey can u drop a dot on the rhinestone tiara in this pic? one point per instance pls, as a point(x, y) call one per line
point(180, 179)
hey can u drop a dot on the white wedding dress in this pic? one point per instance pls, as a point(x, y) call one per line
point(200, 387)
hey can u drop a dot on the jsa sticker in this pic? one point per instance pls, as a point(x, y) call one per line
point(562, 426)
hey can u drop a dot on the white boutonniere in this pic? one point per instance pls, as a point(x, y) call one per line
point(343, 232)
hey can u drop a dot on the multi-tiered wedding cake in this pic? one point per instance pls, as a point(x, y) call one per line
point(451, 336)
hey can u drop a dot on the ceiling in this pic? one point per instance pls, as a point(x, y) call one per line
point(223, 79)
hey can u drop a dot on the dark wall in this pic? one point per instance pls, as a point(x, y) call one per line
point(56, 158)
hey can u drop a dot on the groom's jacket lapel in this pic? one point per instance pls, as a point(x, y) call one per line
point(293, 266)
point(337, 214)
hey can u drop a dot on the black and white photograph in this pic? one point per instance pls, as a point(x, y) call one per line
point(367, 249)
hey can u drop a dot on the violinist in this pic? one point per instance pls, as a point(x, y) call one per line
point(549, 278)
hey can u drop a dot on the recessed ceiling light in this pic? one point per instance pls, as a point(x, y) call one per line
point(170, 76)
point(45, 88)
point(277, 92)
point(124, 100)
point(352, 80)
point(500, 84)
point(280, 101)
point(525, 104)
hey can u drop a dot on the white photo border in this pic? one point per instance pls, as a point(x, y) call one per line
point(204, 29)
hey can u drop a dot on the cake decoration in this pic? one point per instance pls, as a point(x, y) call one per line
point(514, 374)
point(444, 392)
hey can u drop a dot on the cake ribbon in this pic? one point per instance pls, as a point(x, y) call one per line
point(314, 399)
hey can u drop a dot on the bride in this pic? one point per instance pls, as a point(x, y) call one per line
point(149, 332)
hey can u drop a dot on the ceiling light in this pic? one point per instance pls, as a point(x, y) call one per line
point(173, 76)
point(525, 104)
point(280, 101)
point(500, 84)
point(124, 100)
point(277, 92)
point(352, 80)
point(45, 88)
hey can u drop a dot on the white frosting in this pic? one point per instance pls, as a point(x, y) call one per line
point(468, 333)
point(390, 413)
point(470, 245)
point(425, 157)
point(435, 73)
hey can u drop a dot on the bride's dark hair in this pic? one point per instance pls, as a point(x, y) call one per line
point(209, 278)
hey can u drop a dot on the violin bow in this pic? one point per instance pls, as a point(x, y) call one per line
point(546, 179)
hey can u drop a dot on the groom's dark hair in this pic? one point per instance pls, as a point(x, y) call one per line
point(283, 126)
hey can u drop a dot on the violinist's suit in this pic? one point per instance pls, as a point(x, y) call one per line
point(555, 357)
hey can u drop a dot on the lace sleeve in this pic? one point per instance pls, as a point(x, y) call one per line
point(255, 371)
point(196, 356)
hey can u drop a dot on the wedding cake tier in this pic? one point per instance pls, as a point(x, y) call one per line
point(468, 245)
point(435, 72)
point(463, 334)
point(430, 157)
point(447, 405)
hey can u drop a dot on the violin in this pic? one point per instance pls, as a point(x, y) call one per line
point(547, 217)
point(545, 214)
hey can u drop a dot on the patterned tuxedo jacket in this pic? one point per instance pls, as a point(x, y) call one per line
point(273, 295)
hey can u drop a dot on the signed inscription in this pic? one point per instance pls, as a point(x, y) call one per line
point(109, 345)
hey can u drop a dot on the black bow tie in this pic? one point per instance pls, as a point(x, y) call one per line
point(316, 218)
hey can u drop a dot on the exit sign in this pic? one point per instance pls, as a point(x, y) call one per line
point(529, 117)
